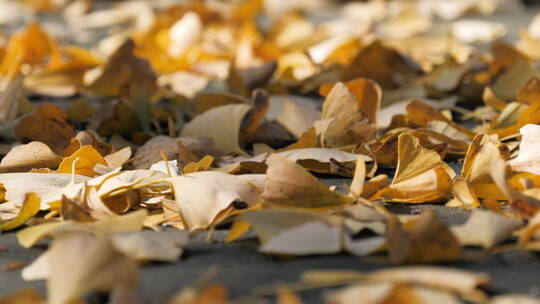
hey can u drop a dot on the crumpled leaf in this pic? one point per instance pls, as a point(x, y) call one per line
point(29, 208)
point(524, 204)
point(482, 152)
point(421, 175)
point(88, 138)
point(204, 197)
point(343, 121)
point(222, 125)
point(421, 114)
point(367, 94)
point(422, 240)
point(290, 185)
point(464, 195)
point(485, 228)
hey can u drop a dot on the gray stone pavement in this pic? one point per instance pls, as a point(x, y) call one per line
point(243, 270)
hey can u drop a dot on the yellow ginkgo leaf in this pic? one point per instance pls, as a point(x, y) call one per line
point(201, 165)
point(29, 208)
point(421, 174)
point(482, 152)
point(82, 162)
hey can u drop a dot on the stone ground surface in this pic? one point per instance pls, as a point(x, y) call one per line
point(243, 269)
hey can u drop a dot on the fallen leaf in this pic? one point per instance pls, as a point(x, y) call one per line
point(150, 152)
point(289, 185)
point(421, 175)
point(130, 222)
point(48, 124)
point(119, 158)
point(30, 207)
point(82, 162)
point(151, 246)
point(201, 165)
point(32, 155)
point(320, 159)
point(464, 195)
point(293, 232)
point(482, 152)
point(422, 240)
point(48, 186)
point(392, 69)
point(347, 123)
point(528, 159)
point(84, 262)
point(222, 125)
point(122, 71)
point(367, 93)
point(297, 116)
point(203, 197)
point(485, 228)
point(477, 31)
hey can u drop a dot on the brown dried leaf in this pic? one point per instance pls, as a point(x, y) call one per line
point(48, 124)
point(422, 240)
point(122, 71)
point(386, 66)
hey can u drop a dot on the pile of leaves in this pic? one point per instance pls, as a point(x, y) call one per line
point(133, 126)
